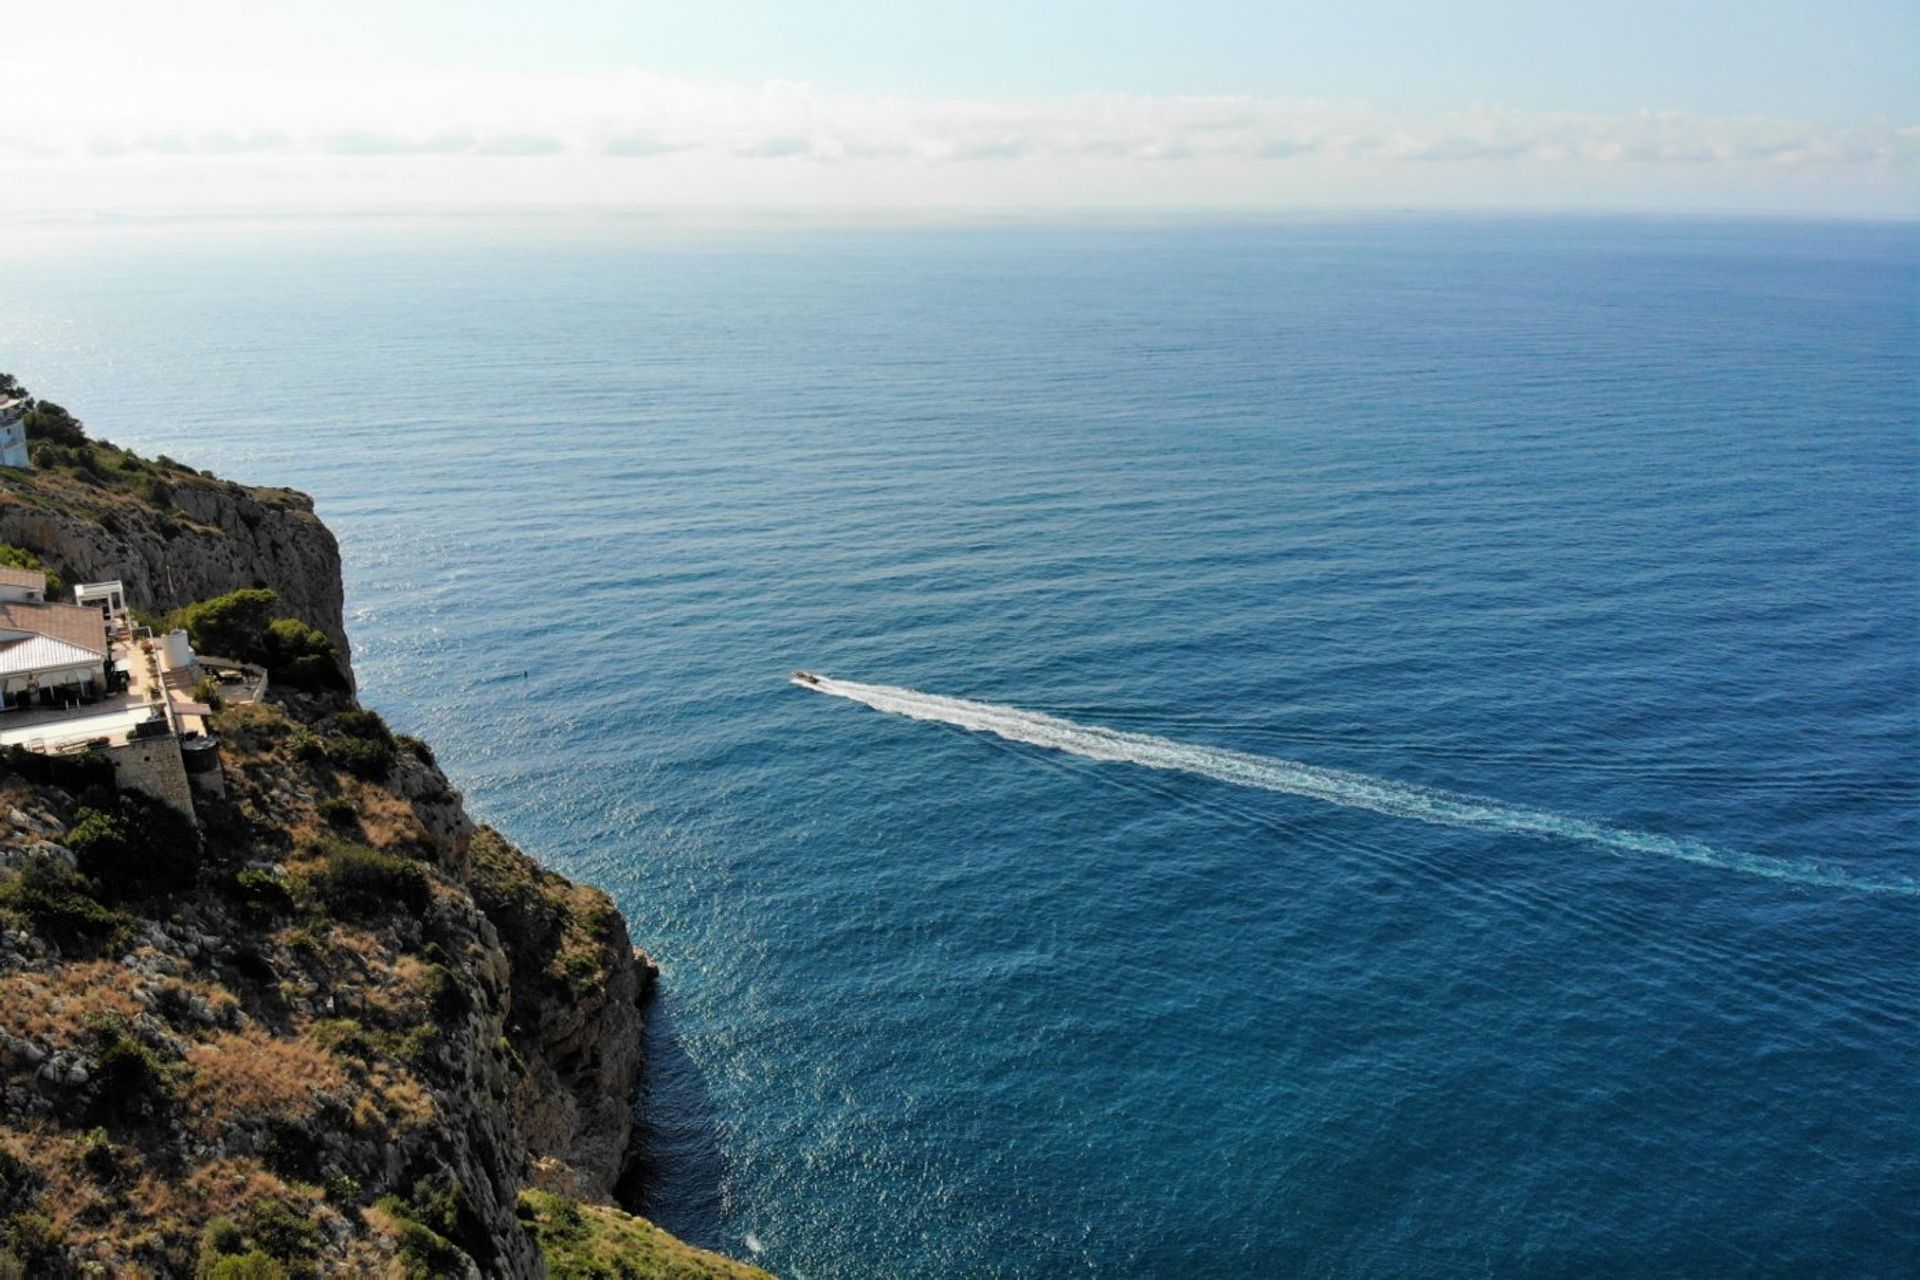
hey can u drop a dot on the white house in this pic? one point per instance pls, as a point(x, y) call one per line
point(51, 655)
point(22, 586)
point(13, 432)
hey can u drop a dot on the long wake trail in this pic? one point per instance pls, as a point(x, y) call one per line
point(1334, 786)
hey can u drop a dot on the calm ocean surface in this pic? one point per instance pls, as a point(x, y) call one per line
point(1603, 521)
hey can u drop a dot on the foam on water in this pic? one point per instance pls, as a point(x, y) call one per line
point(1335, 786)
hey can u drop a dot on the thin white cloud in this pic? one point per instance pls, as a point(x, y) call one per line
point(686, 134)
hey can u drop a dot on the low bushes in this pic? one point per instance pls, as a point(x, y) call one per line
point(360, 742)
point(441, 1232)
point(241, 624)
point(262, 894)
point(277, 1240)
point(136, 847)
point(354, 881)
point(64, 908)
point(338, 812)
point(416, 748)
point(302, 656)
point(207, 690)
point(48, 421)
point(129, 1078)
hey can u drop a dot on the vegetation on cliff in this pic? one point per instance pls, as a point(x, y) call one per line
point(87, 510)
point(592, 1242)
point(245, 625)
point(332, 1029)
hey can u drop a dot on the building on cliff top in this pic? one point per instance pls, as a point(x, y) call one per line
point(13, 432)
point(78, 677)
point(50, 654)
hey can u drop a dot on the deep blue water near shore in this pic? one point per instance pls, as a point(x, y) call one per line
point(1616, 520)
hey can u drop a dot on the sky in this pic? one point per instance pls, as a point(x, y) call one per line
point(197, 105)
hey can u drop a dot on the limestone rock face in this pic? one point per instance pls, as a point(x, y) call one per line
point(215, 538)
point(575, 1019)
point(576, 1098)
point(470, 1030)
point(437, 806)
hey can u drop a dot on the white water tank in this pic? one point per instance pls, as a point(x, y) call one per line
point(179, 652)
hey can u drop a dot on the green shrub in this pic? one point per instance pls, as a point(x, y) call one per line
point(103, 1161)
point(445, 994)
point(281, 1229)
point(32, 1238)
point(241, 625)
point(48, 421)
point(440, 1230)
point(354, 881)
point(416, 748)
point(232, 625)
point(20, 1182)
point(370, 760)
point(262, 893)
point(302, 656)
point(137, 847)
point(206, 689)
point(20, 558)
point(129, 1077)
point(338, 812)
point(426, 1254)
point(420, 1046)
point(253, 1265)
point(63, 908)
point(348, 1039)
point(277, 1242)
point(75, 773)
point(222, 1237)
point(361, 723)
point(360, 742)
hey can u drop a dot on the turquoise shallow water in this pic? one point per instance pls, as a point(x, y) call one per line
point(1610, 523)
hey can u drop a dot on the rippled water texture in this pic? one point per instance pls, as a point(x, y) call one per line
point(1609, 525)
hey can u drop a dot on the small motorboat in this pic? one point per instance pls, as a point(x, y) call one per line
point(806, 677)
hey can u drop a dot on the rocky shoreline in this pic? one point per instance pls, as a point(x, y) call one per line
point(337, 1029)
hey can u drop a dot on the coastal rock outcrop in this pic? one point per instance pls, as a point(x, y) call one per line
point(337, 1028)
point(179, 539)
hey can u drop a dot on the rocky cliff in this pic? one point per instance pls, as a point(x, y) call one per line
point(174, 535)
point(334, 1029)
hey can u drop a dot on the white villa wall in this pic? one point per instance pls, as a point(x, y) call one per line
point(13, 439)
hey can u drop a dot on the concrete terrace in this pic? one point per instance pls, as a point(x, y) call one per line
point(155, 691)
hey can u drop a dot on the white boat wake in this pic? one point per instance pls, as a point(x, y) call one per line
point(1335, 786)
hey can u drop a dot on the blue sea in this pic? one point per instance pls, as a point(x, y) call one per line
point(1458, 809)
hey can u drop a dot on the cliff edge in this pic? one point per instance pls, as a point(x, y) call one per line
point(326, 1026)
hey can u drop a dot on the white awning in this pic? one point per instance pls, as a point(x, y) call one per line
point(36, 654)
